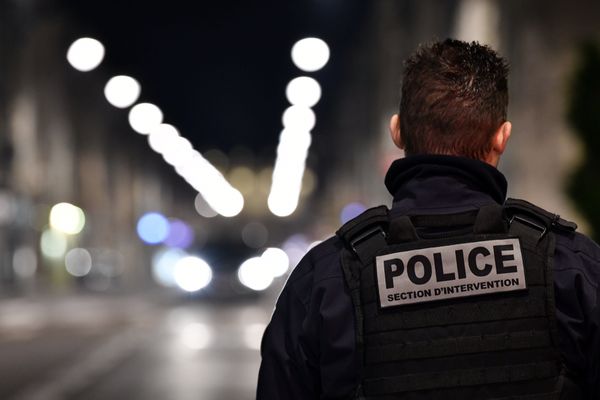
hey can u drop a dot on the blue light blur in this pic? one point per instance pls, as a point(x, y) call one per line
point(180, 235)
point(351, 210)
point(153, 228)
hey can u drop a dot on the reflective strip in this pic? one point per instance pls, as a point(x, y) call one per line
point(450, 271)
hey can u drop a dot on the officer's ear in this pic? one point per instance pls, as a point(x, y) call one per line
point(499, 141)
point(395, 131)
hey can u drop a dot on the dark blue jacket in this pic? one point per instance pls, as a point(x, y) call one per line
point(308, 350)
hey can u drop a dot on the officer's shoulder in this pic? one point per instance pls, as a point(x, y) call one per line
point(536, 215)
point(567, 237)
point(320, 262)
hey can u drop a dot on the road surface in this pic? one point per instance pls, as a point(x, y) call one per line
point(103, 347)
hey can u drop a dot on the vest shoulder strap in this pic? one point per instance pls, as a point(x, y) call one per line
point(366, 234)
point(536, 217)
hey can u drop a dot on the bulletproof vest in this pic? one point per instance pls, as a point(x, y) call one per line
point(456, 306)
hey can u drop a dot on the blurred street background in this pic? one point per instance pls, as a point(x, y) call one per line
point(164, 165)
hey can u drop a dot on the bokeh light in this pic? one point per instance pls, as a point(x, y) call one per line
point(303, 91)
point(180, 234)
point(228, 203)
point(178, 151)
point(153, 228)
point(242, 178)
point(163, 265)
point(24, 262)
point(196, 336)
point(350, 211)
point(293, 146)
point(254, 274)
point(53, 243)
point(78, 262)
point(289, 168)
point(296, 247)
point(85, 54)
point(192, 273)
point(310, 54)
point(144, 117)
point(299, 118)
point(161, 136)
point(276, 260)
point(67, 218)
point(122, 91)
point(203, 208)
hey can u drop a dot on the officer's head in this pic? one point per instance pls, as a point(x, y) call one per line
point(454, 100)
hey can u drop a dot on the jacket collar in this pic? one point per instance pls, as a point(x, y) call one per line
point(437, 184)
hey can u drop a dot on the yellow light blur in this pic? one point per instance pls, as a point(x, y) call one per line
point(242, 178)
point(67, 218)
point(309, 182)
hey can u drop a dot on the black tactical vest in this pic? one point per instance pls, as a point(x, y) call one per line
point(456, 306)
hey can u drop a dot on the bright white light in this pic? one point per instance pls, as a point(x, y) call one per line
point(122, 91)
point(163, 266)
point(144, 117)
point(310, 54)
point(303, 91)
point(215, 193)
point(192, 274)
point(24, 262)
point(254, 274)
point(288, 172)
point(178, 151)
point(228, 202)
point(161, 137)
point(299, 118)
point(78, 262)
point(293, 141)
point(282, 206)
point(85, 54)
point(253, 335)
point(277, 260)
point(67, 218)
point(196, 336)
point(53, 243)
point(233, 204)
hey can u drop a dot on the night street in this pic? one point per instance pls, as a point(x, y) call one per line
point(166, 168)
point(129, 348)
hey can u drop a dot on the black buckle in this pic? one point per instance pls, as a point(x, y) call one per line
point(366, 235)
point(529, 223)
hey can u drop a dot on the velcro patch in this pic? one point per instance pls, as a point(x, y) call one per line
point(451, 271)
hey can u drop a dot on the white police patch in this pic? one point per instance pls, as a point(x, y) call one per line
point(445, 272)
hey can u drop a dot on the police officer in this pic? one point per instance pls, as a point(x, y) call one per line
point(455, 292)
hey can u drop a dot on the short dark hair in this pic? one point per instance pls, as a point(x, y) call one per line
point(454, 97)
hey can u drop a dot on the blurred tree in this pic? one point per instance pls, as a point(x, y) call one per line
point(584, 118)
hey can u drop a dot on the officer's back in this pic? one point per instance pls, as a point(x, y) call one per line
point(453, 293)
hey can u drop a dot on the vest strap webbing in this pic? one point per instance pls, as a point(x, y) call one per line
point(458, 346)
point(366, 235)
point(457, 378)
